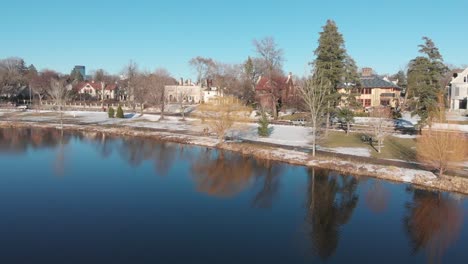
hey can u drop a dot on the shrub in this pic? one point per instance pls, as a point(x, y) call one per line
point(263, 129)
point(111, 112)
point(120, 113)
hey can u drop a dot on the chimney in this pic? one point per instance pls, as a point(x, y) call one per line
point(367, 72)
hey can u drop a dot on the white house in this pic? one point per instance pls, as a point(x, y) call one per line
point(190, 93)
point(458, 91)
point(94, 89)
point(211, 93)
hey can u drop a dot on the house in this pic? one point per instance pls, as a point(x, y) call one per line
point(275, 91)
point(458, 91)
point(212, 93)
point(95, 89)
point(190, 92)
point(374, 90)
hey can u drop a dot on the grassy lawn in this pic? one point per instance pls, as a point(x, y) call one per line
point(394, 148)
point(458, 122)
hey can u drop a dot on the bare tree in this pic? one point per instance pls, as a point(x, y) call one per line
point(272, 57)
point(130, 73)
point(223, 114)
point(380, 122)
point(142, 88)
point(59, 94)
point(182, 100)
point(40, 84)
point(11, 73)
point(314, 93)
point(205, 67)
point(161, 78)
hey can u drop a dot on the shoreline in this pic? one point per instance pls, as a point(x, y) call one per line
point(418, 177)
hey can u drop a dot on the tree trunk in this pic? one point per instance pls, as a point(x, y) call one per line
point(61, 116)
point(163, 104)
point(183, 112)
point(327, 123)
point(142, 108)
point(314, 139)
point(347, 128)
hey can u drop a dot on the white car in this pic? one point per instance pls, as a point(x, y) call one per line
point(299, 122)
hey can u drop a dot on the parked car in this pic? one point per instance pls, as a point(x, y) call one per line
point(299, 122)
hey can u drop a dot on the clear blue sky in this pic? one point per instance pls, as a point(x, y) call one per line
point(378, 34)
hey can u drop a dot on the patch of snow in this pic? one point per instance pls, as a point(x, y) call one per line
point(404, 136)
point(453, 127)
point(285, 135)
point(363, 152)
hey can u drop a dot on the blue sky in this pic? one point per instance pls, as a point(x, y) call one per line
point(108, 34)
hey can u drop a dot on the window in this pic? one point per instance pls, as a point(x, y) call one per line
point(367, 102)
point(366, 91)
point(457, 91)
point(464, 79)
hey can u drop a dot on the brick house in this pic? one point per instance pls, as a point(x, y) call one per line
point(279, 90)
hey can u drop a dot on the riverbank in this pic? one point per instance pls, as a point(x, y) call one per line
point(418, 177)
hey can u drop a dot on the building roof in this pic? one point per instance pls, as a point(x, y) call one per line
point(461, 77)
point(373, 81)
point(282, 82)
point(95, 85)
point(376, 82)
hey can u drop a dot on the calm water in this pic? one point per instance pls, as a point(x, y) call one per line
point(90, 198)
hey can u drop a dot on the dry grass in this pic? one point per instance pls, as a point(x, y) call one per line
point(393, 148)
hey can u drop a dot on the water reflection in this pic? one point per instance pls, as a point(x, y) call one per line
point(433, 222)
point(377, 197)
point(223, 174)
point(331, 202)
point(18, 140)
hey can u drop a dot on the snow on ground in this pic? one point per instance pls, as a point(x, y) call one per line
point(457, 116)
point(285, 135)
point(404, 136)
point(407, 116)
point(454, 127)
point(363, 152)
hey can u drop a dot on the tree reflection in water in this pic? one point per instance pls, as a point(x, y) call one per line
point(270, 173)
point(221, 174)
point(331, 202)
point(19, 140)
point(433, 222)
point(377, 197)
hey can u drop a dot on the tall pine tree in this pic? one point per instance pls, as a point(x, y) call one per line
point(424, 81)
point(333, 65)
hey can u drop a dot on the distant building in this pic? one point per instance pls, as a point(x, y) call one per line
point(81, 69)
point(190, 92)
point(95, 89)
point(375, 91)
point(280, 88)
point(458, 91)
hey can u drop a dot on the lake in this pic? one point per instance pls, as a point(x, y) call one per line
point(95, 198)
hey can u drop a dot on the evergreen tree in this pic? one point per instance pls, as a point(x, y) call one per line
point(75, 76)
point(424, 81)
point(401, 79)
point(263, 122)
point(333, 66)
point(111, 112)
point(32, 70)
point(331, 55)
point(120, 113)
point(346, 115)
